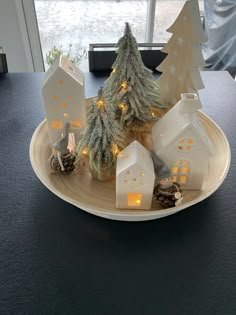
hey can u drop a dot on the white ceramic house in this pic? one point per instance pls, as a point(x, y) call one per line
point(134, 178)
point(181, 141)
point(63, 96)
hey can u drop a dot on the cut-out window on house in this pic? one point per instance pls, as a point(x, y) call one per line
point(180, 171)
point(134, 199)
point(76, 124)
point(64, 104)
point(183, 179)
point(175, 169)
point(185, 170)
point(185, 144)
point(56, 124)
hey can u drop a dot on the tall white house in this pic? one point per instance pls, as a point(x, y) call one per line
point(64, 100)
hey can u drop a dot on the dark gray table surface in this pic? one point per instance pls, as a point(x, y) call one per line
point(57, 259)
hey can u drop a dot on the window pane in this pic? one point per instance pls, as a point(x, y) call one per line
point(134, 199)
point(166, 13)
point(81, 22)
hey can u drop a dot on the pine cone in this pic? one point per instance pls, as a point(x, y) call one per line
point(67, 159)
point(167, 201)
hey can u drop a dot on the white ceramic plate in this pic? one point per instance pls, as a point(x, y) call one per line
point(98, 198)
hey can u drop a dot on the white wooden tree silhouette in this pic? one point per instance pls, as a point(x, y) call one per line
point(180, 73)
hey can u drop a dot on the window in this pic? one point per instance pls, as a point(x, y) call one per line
point(166, 13)
point(180, 171)
point(185, 144)
point(56, 124)
point(82, 22)
point(134, 199)
point(76, 124)
point(183, 179)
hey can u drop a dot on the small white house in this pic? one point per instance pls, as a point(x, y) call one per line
point(134, 178)
point(63, 96)
point(181, 141)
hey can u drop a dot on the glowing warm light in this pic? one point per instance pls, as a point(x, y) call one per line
point(142, 174)
point(55, 97)
point(153, 113)
point(178, 163)
point(183, 179)
point(84, 152)
point(115, 149)
point(66, 115)
point(123, 106)
point(124, 85)
point(185, 170)
point(134, 199)
point(113, 71)
point(185, 144)
point(56, 124)
point(100, 104)
point(63, 104)
point(185, 162)
point(76, 124)
point(175, 169)
point(60, 82)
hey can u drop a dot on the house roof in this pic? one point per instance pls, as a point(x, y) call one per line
point(181, 117)
point(135, 154)
point(67, 67)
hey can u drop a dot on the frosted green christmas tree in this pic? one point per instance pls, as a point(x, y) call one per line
point(131, 87)
point(102, 139)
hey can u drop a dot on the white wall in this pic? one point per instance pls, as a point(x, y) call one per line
point(11, 37)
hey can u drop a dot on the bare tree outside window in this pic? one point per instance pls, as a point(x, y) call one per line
point(74, 24)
